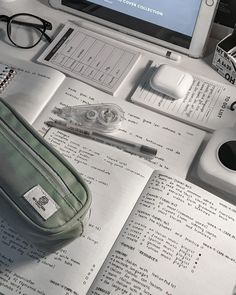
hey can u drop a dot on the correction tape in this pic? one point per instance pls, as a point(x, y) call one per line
point(102, 117)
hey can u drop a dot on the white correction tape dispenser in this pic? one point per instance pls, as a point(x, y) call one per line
point(104, 117)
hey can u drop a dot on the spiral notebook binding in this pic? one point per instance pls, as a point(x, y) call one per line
point(7, 73)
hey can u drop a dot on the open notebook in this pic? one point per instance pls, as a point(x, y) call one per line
point(150, 230)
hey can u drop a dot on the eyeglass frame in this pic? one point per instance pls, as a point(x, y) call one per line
point(46, 26)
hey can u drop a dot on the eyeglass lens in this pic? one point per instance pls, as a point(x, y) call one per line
point(25, 31)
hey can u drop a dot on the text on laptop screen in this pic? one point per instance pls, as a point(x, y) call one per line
point(156, 18)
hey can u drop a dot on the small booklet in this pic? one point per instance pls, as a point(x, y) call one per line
point(90, 57)
point(206, 105)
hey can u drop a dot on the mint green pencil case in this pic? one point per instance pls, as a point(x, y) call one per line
point(41, 195)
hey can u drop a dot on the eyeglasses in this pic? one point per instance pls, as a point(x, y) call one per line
point(26, 30)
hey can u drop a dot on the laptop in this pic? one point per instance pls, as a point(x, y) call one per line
point(180, 25)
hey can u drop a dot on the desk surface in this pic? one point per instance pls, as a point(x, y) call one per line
point(57, 18)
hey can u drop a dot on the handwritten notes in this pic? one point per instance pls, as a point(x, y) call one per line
point(116, 183)
point(178, 240)
point(169, 137)
point(206, 105)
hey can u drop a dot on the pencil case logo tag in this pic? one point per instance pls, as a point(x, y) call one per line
point(41, 202)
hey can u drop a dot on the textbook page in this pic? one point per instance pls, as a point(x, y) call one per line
point(31, 88)
point(115, 181)
point(179, 240)
point(206, 105)
point(170, 138)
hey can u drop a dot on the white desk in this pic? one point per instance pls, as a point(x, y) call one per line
point(57, 18)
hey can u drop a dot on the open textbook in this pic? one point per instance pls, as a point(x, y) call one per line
point(150, 232)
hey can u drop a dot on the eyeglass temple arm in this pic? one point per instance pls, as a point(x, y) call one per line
point(4, 18)
point(47, 24)
point(44, 34)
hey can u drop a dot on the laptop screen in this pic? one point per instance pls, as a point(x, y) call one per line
point(172, 21)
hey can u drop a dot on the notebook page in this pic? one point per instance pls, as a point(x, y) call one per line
point(170, 138)
point(31, 88)
point(179, 240)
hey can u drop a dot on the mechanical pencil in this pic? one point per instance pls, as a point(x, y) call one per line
point(129, 146)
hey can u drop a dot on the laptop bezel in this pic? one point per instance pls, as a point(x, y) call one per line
point(200, 35)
